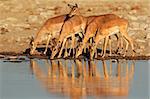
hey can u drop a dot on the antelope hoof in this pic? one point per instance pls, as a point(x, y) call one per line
point(32, 52)
point(59, 56)
point(116, 51)
point(65, 55)
point(124, 55)
point(52, 57)
point(110, 54)
point(35, 53)
point(92, 56)
point(77, 55)
point(44, 52)
point(96, 56)
point(133, 54)
point(103, 56)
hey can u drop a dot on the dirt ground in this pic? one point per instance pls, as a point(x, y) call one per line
point(21, 19)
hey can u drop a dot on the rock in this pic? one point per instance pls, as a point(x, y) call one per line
point(133, 12)
point(13, 61)
point(141, 41)
point(142, 47)
point(89, 9)
point(18, 39)
point(143, 26)
point(149, 43)
point(12, 57)
point(2, 56)
point(138, 51)
point(148, 28)
point(19, 29)
point(114, 60)
point(148, 54)
point(46, 14)
point(135, 25)
point(3, 30)
point(39, 9)
point(133, 18)
point(148, 35)
point(148, 21)
point(12, 19)
point(17, 8)
point(22, 25)
point(21, 58)
point(33, 19)
point(131, 33)
point(142, 17)
point(127, 6)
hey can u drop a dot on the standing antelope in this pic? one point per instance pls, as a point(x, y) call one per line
point(50, 29)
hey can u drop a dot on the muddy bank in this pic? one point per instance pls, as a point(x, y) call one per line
point(20, 20)
point(19, 57)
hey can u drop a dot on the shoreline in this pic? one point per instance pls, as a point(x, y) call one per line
point(13, 55)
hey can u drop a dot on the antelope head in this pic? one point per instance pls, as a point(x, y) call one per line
point(31, 45)
point(74, 9)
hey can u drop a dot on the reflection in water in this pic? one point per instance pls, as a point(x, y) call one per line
point(84, 78)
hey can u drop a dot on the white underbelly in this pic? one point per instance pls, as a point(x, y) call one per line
point(113, 30)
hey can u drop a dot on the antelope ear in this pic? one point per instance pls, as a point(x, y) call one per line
point(31, 40)
point(69, 5)
point(76, 5)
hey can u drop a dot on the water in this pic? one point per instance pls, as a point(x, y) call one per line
point(69, 79)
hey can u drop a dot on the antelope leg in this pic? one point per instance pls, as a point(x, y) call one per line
point(110, 49)
point(105, 46)
point(62, 48)
point(65, 53)
point(48, 39)
point(54, 52)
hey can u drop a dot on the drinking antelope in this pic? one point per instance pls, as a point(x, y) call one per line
point(74, 25)
point(111, 27)
point(92, 29)
point(50, 29)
